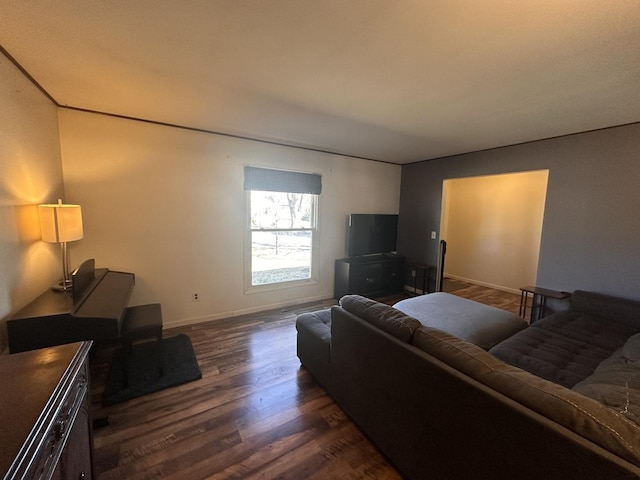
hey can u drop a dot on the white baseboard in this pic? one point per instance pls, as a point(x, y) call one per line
point(412, 289)
point(483, 284)
point(236, 313)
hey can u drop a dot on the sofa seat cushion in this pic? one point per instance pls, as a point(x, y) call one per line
point(585, 416)
point(551, 356)
point(383, 316)
point(564, 348)
point(616, 381)
point(317, 323)
point(474, 322)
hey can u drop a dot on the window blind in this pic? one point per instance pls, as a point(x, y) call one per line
point(269, 180)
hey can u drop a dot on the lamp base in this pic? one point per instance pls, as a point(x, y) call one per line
point(62, 286)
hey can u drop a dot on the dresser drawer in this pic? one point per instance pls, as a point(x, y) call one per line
point(59, 445)
point(55, 439)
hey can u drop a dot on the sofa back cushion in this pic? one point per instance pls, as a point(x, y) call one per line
point(606, 306)
point(583, 415)
point(387, 318)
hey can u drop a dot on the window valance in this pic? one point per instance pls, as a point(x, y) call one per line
point(269, 180)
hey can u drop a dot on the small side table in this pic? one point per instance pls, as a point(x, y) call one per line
point(427, 271)
point(538, 301)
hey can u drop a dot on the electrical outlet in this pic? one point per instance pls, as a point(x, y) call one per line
point(433, 235)
point(196, 297)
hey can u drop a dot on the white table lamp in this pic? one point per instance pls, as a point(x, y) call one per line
point(60, 223)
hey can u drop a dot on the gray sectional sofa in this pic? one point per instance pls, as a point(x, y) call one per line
point(556, 400)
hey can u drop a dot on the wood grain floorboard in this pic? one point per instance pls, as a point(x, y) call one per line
point(255, 414)
point(497, 298)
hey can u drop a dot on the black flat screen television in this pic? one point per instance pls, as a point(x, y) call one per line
point(368, 234)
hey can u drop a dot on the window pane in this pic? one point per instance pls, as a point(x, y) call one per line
point(280, 256)
point(281, 210)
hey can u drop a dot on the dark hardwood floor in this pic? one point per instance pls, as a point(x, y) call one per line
point(255, 414)
point(489, 296)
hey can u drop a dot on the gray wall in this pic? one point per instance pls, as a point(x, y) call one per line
point(591, 227)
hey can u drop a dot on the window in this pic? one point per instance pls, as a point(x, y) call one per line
point(282, 225)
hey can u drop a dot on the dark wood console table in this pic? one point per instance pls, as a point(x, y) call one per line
point(44, 412)
point(371, 275)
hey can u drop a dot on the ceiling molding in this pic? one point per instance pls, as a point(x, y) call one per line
point(390, 82)
point(172, 125)
point(28, 75)
point(523, 143)
point(222, 134)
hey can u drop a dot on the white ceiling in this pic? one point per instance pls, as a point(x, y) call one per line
point(392, 80)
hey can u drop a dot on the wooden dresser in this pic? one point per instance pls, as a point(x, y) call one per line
point(45, 426)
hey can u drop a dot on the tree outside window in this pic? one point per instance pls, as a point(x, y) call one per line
point(282, 225)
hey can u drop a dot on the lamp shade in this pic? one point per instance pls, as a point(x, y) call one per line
point(60, 223)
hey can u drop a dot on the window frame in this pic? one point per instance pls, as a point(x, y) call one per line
point(248, 249)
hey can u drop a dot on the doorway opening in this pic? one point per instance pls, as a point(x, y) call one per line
point(492, 226)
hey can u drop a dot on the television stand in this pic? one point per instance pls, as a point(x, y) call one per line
point(369, 275)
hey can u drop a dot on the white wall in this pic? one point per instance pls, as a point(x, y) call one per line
point(168, 204)
point(30, 173)
point(492, 225)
